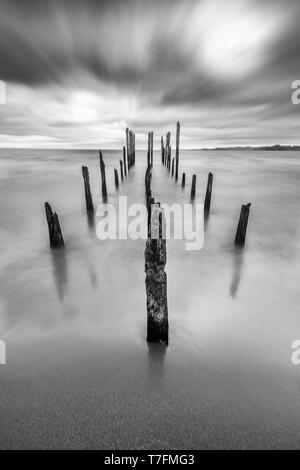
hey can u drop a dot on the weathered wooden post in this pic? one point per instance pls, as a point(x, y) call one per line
point(121, 170)
point(177, 150)
point(124, 161)
point(156, 281)
point(116, 178)
point(193, 190)
point(151, 148)
point(128, 148)
point(87, 190)
point(162, 150)
point(208, 195)
point(241, 232)
point(183, 180)
point(55, 234)
point(103, 176)
point(173, 167)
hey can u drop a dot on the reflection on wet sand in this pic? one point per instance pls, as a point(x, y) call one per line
point(156, 362)
point(60, 271)
point(238, 260)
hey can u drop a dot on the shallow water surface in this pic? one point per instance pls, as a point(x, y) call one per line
point(80, 373)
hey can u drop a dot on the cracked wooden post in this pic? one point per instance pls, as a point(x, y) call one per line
point(116, 178)
point(241, 232)
point(177, 150)
point(121, 170)
point(183, 180)
point(193, 190)
point(173, 161)
point(156, 280)
point(124, 161)
point(87, 190)
point(208, 195)
point(55, 233)
point(103, 176)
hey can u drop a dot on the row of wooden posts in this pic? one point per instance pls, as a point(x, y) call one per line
point(155, 252)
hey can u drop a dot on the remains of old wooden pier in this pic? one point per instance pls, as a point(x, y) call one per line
point(124, 161)
point(193, 189)
point(55, 234)
point(103, 177)
point(121, 170)
point(156, 280)
point(177, 150)
point(207, 202)
point(183, 180)
point(130, 146)
point(156, 249)
point(87, 189)
point(116, 178)
point(240, 238)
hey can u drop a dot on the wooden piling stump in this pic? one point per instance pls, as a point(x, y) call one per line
point(240, 238)
point(87, 190)
point(177, 150)
point(103, 176)
point(156, 284)
point(55, 233)
point(207, 202)
point(193, 190)
point(116, 178)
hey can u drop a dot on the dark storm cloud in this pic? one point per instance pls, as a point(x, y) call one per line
point(218, 66)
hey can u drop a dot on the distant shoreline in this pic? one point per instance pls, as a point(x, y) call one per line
point(272, 148)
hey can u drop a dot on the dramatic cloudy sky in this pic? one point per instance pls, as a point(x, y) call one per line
point(77, 72)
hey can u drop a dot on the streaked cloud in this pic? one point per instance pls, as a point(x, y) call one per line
point(77, 73)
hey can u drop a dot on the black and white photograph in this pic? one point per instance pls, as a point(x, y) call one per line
point(149, 227)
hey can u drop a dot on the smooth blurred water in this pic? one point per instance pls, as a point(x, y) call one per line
point(80, 373)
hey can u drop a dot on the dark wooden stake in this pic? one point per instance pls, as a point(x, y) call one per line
point(55, 234)
point(162, 150)
point(116, 178)
point(208, 195)
point(103, 176)
point(177, 150)
point(173, 166)
point(241, 232)
point(193, 190)
point(128, 148)
point(87, 189)
point(124, 161)
point(183, 180)
point(156, 285)
point(121, 170)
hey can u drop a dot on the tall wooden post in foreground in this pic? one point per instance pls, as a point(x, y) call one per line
point(183, 180)
point(87, 190)
point(177, 150)
point(55, 233)
point(103, 176)
point(156, 281)
point(208, 195)
point(241, 232)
